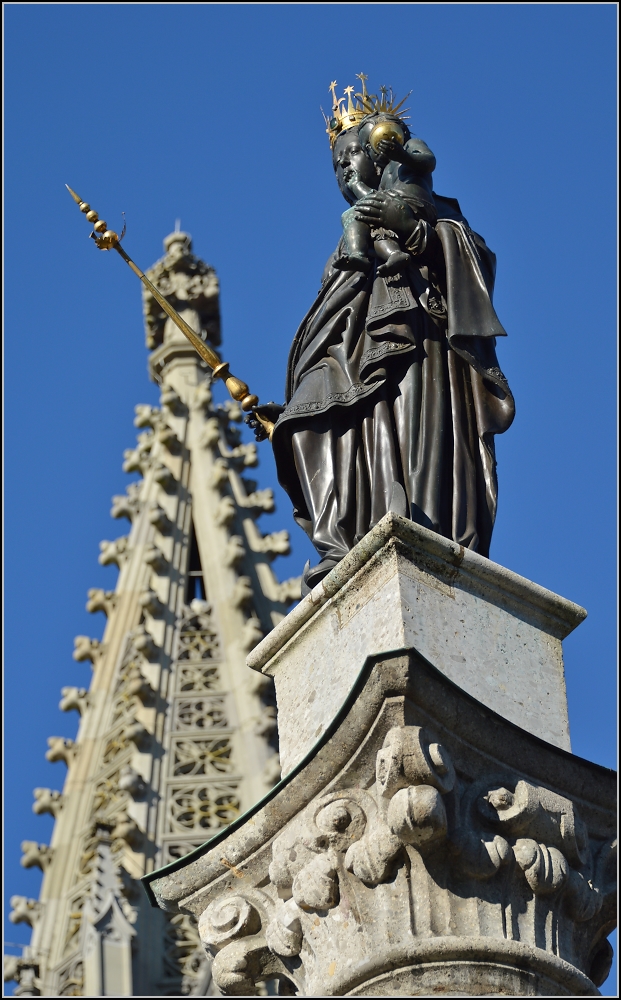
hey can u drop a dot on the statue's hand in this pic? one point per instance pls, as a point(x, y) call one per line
point(419, 238)
point(350, 175)
point(269, 411)
point(393, 150)
point(381, 210)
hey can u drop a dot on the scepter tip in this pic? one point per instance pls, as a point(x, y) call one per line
point(76, 197)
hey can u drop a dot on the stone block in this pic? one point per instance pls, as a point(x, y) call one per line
point(495, 634)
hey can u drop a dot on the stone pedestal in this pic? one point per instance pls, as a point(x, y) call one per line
point(420, 842)
point(495, 634)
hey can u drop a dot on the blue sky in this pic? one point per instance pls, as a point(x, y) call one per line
point(210, 114)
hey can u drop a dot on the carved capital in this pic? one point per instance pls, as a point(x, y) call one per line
point(387, 865)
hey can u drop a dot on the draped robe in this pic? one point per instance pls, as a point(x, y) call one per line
point(389, 382)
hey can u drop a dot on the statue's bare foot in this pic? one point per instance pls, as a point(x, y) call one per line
point(352, 262)
point(395, 262)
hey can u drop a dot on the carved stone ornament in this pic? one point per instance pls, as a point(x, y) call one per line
point(24, 910)
point(35, 855)
point(189, 285)
point(86, 649)
point(425, 847)
point(47, 801)
point(73, 699)
point(113, 553)
point(101, 600)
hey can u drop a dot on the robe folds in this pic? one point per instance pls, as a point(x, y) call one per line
point(396, 380)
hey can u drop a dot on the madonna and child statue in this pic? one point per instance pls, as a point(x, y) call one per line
point(394, 393)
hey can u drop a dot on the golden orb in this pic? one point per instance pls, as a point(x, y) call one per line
point(101, 226)
point(84, 206)
point(92, 216)
point(386, 130)
point(111, 236)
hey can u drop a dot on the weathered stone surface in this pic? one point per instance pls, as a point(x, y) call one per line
point(427, 847)
point(497, 635)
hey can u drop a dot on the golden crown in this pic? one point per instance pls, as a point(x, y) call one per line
point(349, 110)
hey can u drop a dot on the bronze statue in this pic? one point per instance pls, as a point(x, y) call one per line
point(394, 393)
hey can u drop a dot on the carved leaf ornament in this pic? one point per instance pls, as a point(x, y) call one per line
point(414, 805)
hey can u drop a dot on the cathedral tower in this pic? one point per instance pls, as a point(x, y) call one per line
point(176, 737)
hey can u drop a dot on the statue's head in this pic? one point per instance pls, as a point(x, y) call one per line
point(348, 152)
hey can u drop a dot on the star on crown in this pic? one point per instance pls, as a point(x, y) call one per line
point(349, 110)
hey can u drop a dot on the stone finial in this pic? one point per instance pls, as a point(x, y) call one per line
point(178, 242)
point(189, 285)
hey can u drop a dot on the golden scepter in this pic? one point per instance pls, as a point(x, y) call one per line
point(107, 239)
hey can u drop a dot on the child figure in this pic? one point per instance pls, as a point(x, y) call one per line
point(406, 165)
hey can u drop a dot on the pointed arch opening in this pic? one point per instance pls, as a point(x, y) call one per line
point(195, 584)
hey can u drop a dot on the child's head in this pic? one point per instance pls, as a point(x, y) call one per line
point(348, 152)
point(368, 127)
